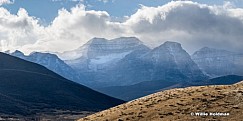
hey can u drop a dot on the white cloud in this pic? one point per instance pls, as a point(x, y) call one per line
point(192, 24)
point(6, 2)
point(68, 0)
point(105, 1)
point(18, 30)
point(71, 29)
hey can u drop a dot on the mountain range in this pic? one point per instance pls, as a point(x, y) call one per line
point(112, 66)
point(126, 61)
point(124, 68)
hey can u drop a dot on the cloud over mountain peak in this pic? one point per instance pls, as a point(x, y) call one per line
point(192, 24)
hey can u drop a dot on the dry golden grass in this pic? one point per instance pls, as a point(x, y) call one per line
point(178, 104)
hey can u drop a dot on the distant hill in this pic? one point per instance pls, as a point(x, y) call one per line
point(138, 90)
point(182, 104)
point(27, 89)
point(223, 80)
point(148, 87)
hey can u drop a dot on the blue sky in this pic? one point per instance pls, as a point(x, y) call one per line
point(47, 10)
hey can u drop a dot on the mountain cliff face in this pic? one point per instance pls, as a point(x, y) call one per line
point(216, 62)
point(99, 53)
point(28, 89)
point(53, 63)
point(101, 56)
point(170, 60)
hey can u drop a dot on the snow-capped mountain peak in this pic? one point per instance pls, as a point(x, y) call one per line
point(172, 44)
point(17, 53)
point(102, 46)
point(217, 62)
point(100, 55)
point(169, 46)
point(96, 41)
point(52, 62)
point(171, 58)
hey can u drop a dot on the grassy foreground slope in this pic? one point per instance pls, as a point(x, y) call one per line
point(180, 104)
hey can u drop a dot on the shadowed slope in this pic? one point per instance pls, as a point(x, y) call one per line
point(27, 88)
